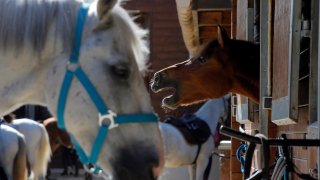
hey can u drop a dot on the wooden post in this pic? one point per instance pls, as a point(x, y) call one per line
point(265, 66)
point(285, 105)
point(316, 14)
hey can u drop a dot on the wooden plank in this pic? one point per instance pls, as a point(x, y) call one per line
point(244, 32)
point(212, 4)
point(316, 13)
point(299, 127)
point(237, 176)
point(209, 32)
point(281, 48)
point(241, 17)
point(214, 17)
point(234, 19)
point(226, 17)
point(312, 161)
point(244, 115)
point(314, 57)
point(235, 143)
point(265, 70)
point(265, 62)
point(286, 62)
point(210, 17)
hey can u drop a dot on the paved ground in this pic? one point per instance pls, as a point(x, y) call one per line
point(56, 175)
point(168, 174)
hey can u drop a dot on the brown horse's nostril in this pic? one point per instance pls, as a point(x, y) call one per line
point(157, 77)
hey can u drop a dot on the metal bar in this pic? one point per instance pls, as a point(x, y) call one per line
point(238, 135)
point(272, 142)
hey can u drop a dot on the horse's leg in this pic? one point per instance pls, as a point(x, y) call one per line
point(42, 157)
point(201, 167)
point(192, 171)
point(19, 170)
point(203, 160)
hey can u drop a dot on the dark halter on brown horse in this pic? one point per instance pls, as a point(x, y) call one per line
point(221, 66)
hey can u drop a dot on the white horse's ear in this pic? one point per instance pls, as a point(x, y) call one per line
point(103, 9)
point(222, 36)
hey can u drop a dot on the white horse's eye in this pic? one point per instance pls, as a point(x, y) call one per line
point(120, 71)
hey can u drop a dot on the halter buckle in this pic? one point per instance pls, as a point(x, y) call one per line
point(108, 120)
point(72, 66)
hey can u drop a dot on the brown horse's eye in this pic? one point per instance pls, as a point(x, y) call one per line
point(202, 59)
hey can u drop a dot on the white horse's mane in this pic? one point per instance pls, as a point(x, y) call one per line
point(129, 32)
point(26, 23)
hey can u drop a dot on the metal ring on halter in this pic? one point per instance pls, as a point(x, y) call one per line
point(71, 66)
point(88, 168)
point(108, 120)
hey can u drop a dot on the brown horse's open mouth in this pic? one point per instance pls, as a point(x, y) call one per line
point(160, 84)
point(170, 100)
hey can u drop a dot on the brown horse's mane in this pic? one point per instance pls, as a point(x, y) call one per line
point(245, 59)
point(246, 56)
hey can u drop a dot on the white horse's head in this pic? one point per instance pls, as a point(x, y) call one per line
point(36, 39)
point(112, 54)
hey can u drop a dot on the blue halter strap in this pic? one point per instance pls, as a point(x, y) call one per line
point(107, 118)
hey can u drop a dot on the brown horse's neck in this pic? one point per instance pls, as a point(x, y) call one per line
point(247, 88)
point(245, 59)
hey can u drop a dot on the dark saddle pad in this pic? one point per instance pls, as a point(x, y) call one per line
point(194, 129)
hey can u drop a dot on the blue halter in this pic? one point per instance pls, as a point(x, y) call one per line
point(107, 118)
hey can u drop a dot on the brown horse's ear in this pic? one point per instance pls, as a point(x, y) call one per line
point(222, 36)
point(103, 9)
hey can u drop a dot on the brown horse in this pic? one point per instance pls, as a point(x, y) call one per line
point(57, 137)
point(221, 66)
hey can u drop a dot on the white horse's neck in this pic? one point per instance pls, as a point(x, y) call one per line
point(212, 111)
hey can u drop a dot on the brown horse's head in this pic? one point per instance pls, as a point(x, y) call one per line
point(64, 139)
point(57, 136)
point(213, 72)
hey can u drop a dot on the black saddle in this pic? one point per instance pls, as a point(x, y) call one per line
point(195, 130)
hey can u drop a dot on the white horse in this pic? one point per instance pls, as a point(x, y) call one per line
point(37, 144)
point(36, 40)
point(13, 153)
point(179, 153)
